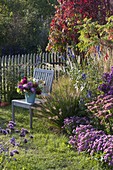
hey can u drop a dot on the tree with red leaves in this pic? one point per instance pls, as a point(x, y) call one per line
point(71, 13)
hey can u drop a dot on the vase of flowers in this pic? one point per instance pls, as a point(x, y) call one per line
point(30, 88)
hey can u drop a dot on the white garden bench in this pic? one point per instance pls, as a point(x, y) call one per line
point(39, 74)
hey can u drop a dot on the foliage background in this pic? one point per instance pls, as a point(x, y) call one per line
point(24, 25)
point(70, 14)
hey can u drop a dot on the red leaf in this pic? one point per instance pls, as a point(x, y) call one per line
point(106, 57)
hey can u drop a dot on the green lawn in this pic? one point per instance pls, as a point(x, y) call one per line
point(48, 150)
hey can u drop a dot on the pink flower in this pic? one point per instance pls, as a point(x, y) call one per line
point(25, 86)
point(108, 106)
point(30, 86)
point(108, 97)
point(24, 80)
point(108, 116)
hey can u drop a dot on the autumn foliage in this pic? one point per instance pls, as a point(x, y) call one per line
point(69, 14)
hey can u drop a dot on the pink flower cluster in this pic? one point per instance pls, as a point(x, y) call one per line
point(29, 86)
point(101, 108)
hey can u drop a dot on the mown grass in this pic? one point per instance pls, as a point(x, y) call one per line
point(48, 150)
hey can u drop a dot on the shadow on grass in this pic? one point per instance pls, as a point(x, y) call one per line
point(22, 119)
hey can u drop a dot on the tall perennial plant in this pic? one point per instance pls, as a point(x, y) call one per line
point(85, 75)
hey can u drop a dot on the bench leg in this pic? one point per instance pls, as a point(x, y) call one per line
point(13, 113)
point(31, 117)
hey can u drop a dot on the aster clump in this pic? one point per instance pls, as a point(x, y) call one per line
point(11, 125)
point(13, 152)
point(74, 121)
point(23, 132)
point(86, 138)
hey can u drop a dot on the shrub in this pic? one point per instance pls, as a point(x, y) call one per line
point(62, 103)
point(69, 17)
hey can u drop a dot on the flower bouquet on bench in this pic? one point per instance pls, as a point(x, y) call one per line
point(30, 88)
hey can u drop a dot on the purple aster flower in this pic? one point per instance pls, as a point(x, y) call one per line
point(89, 94)
point(110, 92)
point(11, 154)
point(30, 84)
point(84, 76)
point(22, 134)
point(24, 130)
point(111, 87)
point(4, 131)
point(73, 56)
point(12, 122)
point(33, 90)
point(104, 87)
point(8, 130)
point(15, 151)
point(97, 48)
point(69, 51)
point(17, 131)
point(112, 69)
point(14, 159)
point(20, 86)
point(106, 77)
point(11, 126)
point(25, 140)
point(31, 136)
point(12, 141)
point(17, 144)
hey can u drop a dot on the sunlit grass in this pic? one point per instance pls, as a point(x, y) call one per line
point(48, 150)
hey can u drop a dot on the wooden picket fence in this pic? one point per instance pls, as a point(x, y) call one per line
point(12, 68)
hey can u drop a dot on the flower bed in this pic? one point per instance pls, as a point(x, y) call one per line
point(85, 138)
point(94, 134)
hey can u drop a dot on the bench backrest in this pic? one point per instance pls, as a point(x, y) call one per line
point(45, 75)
